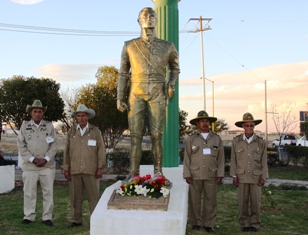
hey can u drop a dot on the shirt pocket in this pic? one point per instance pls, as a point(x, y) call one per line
point(240, 171)
point(257, 155)
point(194, 171)
point(212, 172)
point(73, 143)
point(239, 152)
point(214, 151)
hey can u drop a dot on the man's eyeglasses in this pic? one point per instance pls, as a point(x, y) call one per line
point(251, 125)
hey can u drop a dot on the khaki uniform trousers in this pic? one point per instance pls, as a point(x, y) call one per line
point(78, 183)
point(209, 204)
point(46, 178)
point(246, 193)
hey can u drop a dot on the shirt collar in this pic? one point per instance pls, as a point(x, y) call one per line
point(250, 138)
point(37, 125)
point(86, 127)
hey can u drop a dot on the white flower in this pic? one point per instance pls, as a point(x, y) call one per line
point(164, 191)
point(138, 189)
point(269, 192)
point(120, 191)
point(145, 191)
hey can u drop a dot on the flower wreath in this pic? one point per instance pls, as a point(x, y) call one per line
point(146, 186)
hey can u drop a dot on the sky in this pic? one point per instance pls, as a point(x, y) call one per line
point(250, 43)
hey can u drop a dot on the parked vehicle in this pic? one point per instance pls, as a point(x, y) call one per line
point(11, 160)
point(302, 141)
point(285, 140)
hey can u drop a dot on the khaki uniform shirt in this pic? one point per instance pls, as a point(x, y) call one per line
point(32, 142)
point(204, 159)
point(249, 160)
point(84, 154)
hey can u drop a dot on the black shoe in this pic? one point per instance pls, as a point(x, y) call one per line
point(196, 227)
point(253, 229)
point(209, 229)
point(73, 224)
point(26, 221)
point(47, 222)
point(246, 229)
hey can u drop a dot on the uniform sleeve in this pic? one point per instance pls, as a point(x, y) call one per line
point(66, 156)
point(233, 160)
point(101, 154)
point(186, 162)
point(22, 144)
point(221, 160)
point(264, 162)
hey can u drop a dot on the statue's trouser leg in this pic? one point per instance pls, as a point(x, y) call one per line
point(136, 117)
point(157, 151)
point(135, 154)
point(157, 113)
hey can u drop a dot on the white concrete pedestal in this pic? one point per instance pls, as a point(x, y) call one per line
point(145, 222)
point(7, 179)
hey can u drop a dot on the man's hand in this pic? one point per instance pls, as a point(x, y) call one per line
point(36, 161)
point(218, 180)
point(261, 182)
point(171, 90)
point(67, 175)
point(99, 173)
point(235, 181)
point(121, 105)
point(188, 180)
point(41, 163)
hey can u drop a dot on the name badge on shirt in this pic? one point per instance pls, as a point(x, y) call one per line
point(49, 139)
point(91, 142)
point(206, 151)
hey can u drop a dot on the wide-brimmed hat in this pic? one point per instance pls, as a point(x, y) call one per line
point(202, 115)
point(247, 117)
point(82, 108)
point(37, 104)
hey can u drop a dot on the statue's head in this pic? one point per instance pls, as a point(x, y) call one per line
point(147, 18)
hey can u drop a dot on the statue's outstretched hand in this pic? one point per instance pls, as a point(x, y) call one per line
point(170, 89)
point(121, 105)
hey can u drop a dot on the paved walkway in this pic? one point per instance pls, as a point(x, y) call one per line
point(226, 180)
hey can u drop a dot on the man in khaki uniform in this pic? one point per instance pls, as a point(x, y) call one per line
point(37, 145)
point(203, 169)
point(84, 159)
point(249, 171)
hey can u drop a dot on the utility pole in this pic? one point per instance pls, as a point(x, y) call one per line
point(213, 124)
point(266, 139)
point(200, 19)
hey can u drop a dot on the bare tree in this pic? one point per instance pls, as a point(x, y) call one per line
point(284, 124)
point(69, 97)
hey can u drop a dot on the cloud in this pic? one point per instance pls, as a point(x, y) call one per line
point(27, 2)
point(69, 72)
point(237, 93)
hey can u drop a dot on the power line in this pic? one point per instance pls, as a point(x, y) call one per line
point(62, 31)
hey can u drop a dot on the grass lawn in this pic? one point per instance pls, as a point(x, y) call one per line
point(283, 211)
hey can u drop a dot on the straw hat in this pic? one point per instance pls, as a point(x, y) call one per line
point(247, 117)
point(82, 108)
point(37, 104)
point(202, 115)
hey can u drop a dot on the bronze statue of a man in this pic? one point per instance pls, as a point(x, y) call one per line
point(147, 58)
